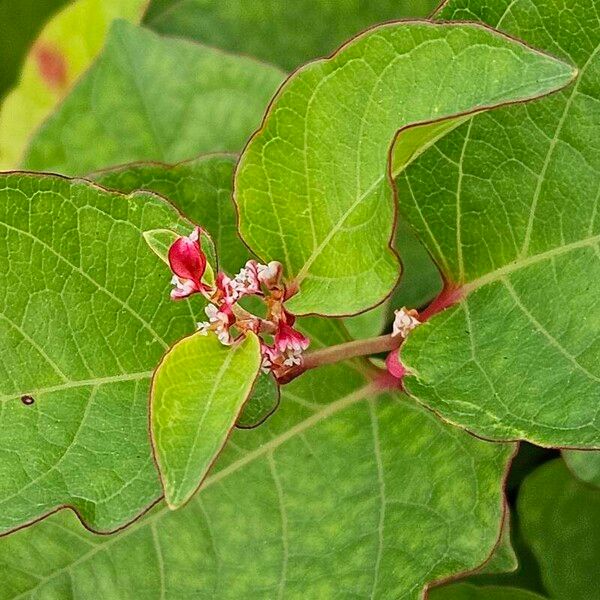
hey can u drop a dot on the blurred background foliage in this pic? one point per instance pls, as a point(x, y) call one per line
point(21, 23)
point(47, 46)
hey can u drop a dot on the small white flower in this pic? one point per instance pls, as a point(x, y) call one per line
point(212, 312)
point(246, 281)
point(292, 358)
point(270, 273)
point(404, 322)
point(203, 327)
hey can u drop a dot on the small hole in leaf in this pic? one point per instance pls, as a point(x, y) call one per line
point(27, 400)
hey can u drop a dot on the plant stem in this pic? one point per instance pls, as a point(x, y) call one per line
point(334, 354)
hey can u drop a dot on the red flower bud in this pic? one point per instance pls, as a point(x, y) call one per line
point(188, 263)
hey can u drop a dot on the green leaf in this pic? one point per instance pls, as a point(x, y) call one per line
point(63, 51)
point(584, 465)
point(506, 204)
point(263, 401)
point(269, 29)
point(312, 185)
point(126, 105)
point(467, 591)
point(197, 394)
point(200, 189)
point(84, 320)
point(339, 494)
point(559, 517)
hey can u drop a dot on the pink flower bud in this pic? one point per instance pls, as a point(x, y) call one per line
point(288, 338)
point(188, 263)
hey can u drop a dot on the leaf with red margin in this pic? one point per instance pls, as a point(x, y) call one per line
point(313, 184)
point(198, 392)
point(343, 491)
point(84, 320)
point(507, 206)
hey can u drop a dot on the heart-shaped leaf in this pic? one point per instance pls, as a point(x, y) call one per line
point(249, 27)
point(559, 520)
point(313, 185)
point(153, 98)
point(197, 395)
point(584, 465)
point(341, 489)
point(507, 206)
point(84, 320)
point(64, 49)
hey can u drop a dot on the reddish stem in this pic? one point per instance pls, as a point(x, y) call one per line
point(451, 294)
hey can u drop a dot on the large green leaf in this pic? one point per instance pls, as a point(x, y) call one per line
point(560, 521)
point(339, 494)
point(312, 185)
point(584, 465)
point(507, 205)
point(153, 98)
point(466, 591)
point(65, 48)
point(84, 320)
point(198, 392)
point(270, 29)
point(200, 189)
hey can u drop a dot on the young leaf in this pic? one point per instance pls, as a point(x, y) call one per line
point(65, 48)
point(249, 27)
point(84, 320)
point(584, 465)
point(507, 206)
point(467, 591)
point(200, 189)
point(559, 519)
point(338, 490)
point(198, 392)
point(313, 186)
point(220, 98)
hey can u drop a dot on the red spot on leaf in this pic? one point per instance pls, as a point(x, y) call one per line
point(51, 65)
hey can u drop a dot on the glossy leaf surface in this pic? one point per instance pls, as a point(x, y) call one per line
point(321, 500)
point(312, 185)
point(84, 320)
point(507, 205)
point(197, 395)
